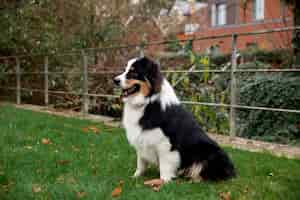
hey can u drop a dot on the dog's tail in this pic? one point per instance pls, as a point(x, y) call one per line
point(218, 167)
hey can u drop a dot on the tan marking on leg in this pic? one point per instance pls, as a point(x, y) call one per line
point(192, 172)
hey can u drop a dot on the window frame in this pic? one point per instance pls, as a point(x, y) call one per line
point(258, 10)
point(216, 14)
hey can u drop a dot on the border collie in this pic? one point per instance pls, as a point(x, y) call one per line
point(162, 132)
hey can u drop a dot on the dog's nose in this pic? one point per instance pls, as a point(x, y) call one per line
point(117, 81)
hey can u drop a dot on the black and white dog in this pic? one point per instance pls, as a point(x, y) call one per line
point(162, 132)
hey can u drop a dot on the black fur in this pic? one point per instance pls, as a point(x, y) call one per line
point(145, 69)
point(187, 137)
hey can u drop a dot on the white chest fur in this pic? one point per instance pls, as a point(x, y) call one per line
point(131, 117)
point(149, 143)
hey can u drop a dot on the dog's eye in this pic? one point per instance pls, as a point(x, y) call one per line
point(132, 74)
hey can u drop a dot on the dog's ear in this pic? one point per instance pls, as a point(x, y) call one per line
point(154, 75)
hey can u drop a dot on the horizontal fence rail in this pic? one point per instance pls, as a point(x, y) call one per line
point(155, 43)
point(184, 102)
point(169, 71)
point(85, 74)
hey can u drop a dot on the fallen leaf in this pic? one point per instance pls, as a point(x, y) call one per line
point(85, 130)
point(63, 162)
point(46, 141)
point(225, 195)
point(117, 191)
point(155, 184)
point(80, 194)
point(94, 129)
point(36, 188)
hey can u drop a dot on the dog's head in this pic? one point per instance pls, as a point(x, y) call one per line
point(140, 80)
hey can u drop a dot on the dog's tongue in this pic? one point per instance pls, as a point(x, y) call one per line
point(125, 93)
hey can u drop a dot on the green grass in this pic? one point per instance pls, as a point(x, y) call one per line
point(97, 162)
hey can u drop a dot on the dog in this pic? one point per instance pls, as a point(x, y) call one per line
point(162, 132)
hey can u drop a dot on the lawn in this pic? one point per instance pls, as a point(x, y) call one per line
point(51, 157)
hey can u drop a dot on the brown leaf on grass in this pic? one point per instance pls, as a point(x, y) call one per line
point(46, 141)
point(63, 162)
point(155, 184)
point(92, 129)
point(116, 192)
point(85, 130)
point(225, 195)
point(80, 194)
point(36, 188)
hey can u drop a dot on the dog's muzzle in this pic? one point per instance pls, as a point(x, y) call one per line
point(117, 81)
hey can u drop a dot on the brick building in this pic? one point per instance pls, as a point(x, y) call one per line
point(236, 16)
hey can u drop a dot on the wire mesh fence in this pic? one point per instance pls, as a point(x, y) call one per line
point(214, 91)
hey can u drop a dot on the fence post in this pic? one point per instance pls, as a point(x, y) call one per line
point(18, 79)
point(46, 79)
point(85, 97)
point(233, 86)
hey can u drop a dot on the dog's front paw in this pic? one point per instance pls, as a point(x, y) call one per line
point(167, 178)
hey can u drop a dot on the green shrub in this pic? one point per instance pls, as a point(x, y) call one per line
point(281, 90)
point(279, 57)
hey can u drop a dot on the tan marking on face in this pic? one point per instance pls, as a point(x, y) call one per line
point(145, 86)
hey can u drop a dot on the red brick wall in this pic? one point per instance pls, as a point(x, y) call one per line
point(273, 19)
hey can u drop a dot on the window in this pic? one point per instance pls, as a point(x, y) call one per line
point(258, 9)
point(218, 14)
